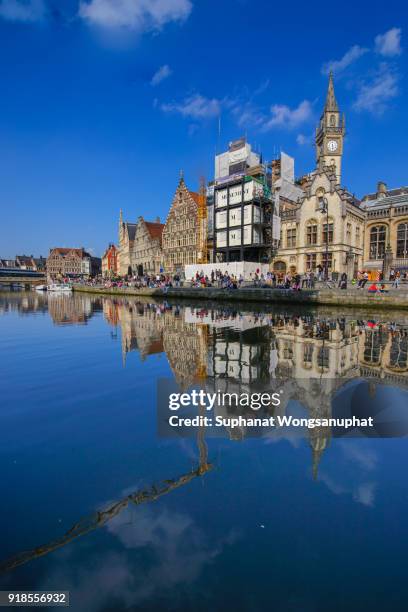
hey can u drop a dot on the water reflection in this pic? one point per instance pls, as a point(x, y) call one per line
point(80, 430)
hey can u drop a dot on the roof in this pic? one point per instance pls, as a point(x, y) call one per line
point(131, 230)
point(331, 102)
point(63, 251)
point(391, 196)
point(155, 229)
point(195, 196)
point(110, 247)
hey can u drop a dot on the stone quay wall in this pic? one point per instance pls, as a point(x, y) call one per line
point(350, 298)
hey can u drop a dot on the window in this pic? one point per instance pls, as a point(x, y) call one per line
point(402, 240)
point(311, 233)
point(377, 241)
point(399, 352)
point(330, 260)
point(357, 235)
point(323, 357)
point(287, 350)
point(332, 120)
point(324, 233)
point(348, 233)
point(311, 261)
point(291, 237)
point(308, 353)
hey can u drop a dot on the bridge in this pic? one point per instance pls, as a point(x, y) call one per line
point(15, 278)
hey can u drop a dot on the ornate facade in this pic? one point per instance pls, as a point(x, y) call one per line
point(180, 233)
point(69, 262)
point(386, 229)
point(304, 229)
point(110, 261)
point(147, 252)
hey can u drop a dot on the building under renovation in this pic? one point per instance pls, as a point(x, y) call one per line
point(245, 215)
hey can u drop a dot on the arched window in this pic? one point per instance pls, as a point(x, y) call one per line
point(377, 241)
point(311, 232)
point(279, 266)
point(402, 240)
point(332, 120)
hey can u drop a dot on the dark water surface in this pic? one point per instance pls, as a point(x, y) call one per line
point(94, 502)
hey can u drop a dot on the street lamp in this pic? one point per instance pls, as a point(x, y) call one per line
point(324, 209)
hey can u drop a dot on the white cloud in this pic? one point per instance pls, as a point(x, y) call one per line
point(162, 73)
point(389, 44)
point(365, 457)
point(352, 55)
point(178, 552)
point(365, 494)
point(285, 117)
point(195, 106)
point(18, 10)
point(301, 139)
point(374, 95)
point(137, 15)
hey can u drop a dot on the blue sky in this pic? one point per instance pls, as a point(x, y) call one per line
point(103, 101)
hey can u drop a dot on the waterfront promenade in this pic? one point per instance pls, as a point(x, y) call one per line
point(393, 299)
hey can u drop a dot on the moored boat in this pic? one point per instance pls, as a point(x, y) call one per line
point(59, 287)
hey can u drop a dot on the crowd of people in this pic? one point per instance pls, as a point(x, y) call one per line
point(225, 280)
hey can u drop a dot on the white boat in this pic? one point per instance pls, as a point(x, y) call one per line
point(41, 288)
point(59, 287)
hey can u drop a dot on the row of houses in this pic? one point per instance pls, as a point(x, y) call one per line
point(72, 262)
point(152, 247)
point(25, 262)
point(259, 212)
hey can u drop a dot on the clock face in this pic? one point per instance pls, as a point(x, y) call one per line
point(332, 145)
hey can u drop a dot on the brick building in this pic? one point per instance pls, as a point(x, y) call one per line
point(110, 265)
point(71, 262)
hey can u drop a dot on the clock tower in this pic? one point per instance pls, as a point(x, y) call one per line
point(330, 133)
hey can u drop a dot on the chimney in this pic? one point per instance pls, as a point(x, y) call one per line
point(157, 220)
point(381, 189)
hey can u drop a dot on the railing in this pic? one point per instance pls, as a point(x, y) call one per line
point(379, 214)
point(400, 264)
point(400, 210)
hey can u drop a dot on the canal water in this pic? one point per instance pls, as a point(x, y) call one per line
point(95, 502)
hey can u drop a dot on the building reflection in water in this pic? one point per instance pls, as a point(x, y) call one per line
point(230, 351)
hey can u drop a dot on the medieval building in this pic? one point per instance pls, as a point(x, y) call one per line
point(110, 261)
point(324, 227)
point(126, 241)
point(72, 262)
point(180, 233)
point(147, 252)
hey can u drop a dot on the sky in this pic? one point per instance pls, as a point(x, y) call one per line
point(104, 102)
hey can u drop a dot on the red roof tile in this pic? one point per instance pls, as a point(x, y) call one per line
point(155, 229)
point(195, 196)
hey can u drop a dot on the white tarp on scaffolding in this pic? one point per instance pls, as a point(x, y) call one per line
point(248, 269)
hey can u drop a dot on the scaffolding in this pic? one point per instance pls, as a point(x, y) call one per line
point(202, 224)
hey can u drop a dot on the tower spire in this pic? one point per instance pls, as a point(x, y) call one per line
point(331, 102)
